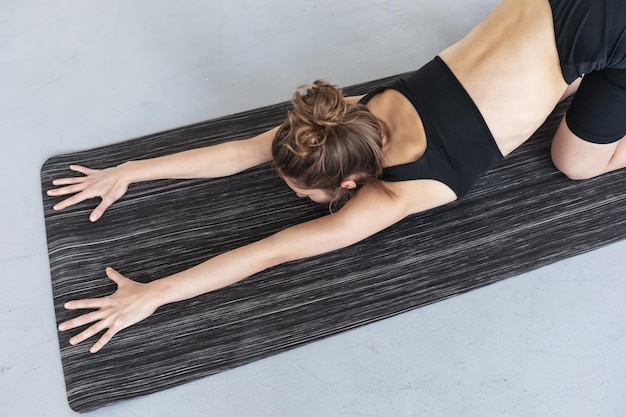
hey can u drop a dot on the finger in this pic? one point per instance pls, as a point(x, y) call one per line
point(87, 303)
point(82, 169)
point(104, 339)
point(87, 333)
point(100, 209)
point(75, 199)
point(81, 320)
point(115, 276)
point(68, 181)
point(70, 189)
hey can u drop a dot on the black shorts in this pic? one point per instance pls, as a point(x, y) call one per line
point(598, 110)
point(591, 41)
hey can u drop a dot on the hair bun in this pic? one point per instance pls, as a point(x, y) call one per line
point(321, 103)
point(324, 140)
point(316, 108)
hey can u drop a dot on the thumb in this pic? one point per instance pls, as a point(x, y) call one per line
point(115, 276)
point(106, 202)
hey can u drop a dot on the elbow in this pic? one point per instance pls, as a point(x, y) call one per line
point(272, 253)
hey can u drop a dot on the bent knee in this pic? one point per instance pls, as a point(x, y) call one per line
point(574, 171)
point(578, 159)
point(577, 166)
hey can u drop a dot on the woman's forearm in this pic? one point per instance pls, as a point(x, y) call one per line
point(218, 272)
point(300, 241)
point(209, 162)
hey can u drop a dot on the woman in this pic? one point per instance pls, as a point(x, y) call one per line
point(414, 145)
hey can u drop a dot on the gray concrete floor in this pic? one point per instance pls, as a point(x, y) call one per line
point(75, 75)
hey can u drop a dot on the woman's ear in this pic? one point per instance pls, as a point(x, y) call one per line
point(349, 183)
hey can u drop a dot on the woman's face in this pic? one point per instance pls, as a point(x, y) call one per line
point(315, 194)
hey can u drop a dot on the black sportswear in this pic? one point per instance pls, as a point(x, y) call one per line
point(460, 146)
point(591, 41)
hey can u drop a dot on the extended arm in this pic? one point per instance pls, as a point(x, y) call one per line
point(370, 211)
point(209, 162)
point(367, 213)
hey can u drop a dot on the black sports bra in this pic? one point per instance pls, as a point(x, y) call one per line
point(460, 146)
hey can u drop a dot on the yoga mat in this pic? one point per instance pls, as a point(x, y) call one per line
point(521, 215)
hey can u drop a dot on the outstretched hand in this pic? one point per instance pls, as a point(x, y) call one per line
point(108, 184)
point(131, 303)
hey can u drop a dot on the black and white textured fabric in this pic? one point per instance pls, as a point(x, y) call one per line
point(521, 215)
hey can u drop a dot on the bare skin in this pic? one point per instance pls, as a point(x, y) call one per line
point(509, 66)
point(568, 150)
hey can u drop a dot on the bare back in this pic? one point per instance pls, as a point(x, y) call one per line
point(509, 65)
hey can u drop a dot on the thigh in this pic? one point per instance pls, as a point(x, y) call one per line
point(598, 110)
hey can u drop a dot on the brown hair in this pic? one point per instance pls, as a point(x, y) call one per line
point(324, 140)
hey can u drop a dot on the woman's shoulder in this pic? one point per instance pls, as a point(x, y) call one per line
point(412, 196)
point(404, 137)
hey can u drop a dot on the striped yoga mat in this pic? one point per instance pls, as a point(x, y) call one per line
point(521, 215)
